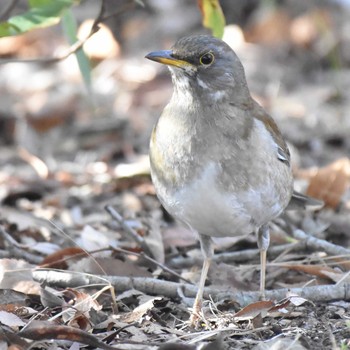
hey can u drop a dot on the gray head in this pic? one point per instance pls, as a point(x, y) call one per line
point(207, 67)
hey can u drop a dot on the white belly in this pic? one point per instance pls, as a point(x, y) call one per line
point(204, 207)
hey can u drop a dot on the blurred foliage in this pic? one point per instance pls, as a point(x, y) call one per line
point(44, 13)
point(41, 13)
point(213, 16)
point(70, 29)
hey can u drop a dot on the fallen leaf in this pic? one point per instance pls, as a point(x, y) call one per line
point(17, 275)
point(316, 270)
point(50, 299)
point(58, 259)
point(213, 17)
point(254, 309)
point(10, 296)
point(11, 320)
point(331, 182)
point(111, 267)
point(296, 299)
point(41, 330)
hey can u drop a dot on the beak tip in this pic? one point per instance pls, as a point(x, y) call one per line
point(153, 56)
point(166, 57)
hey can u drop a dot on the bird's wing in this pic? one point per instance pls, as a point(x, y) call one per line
point(283, 153)
point(283, 156)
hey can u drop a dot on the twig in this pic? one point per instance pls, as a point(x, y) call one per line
point(146, 257)
point(240, 256)
point(4, 14)
point(119, 250)
point(16, 250)
point(314, 243)
point(306, 242)
point(128, 230)
point(78, 44)
point(57, 278)
point(41, 330)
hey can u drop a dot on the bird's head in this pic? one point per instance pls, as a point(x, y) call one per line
point(206, 67)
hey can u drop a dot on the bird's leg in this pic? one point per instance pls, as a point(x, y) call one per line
point(263, 244)
point(207, 250)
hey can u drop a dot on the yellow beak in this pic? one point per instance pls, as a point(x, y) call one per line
point(166, 57)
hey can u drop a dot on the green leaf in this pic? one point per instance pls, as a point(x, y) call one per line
point(213, 17)
point(41, 13)
point(70, 28)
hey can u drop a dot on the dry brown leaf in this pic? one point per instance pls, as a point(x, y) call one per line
point(330, 183)
point(264, 308)
point(82, 303)
point(42, 330)
point(252, 310)
point(280, 306)
point(81, 300)
point(110, 267)
point(58, 259)
point(315, 270)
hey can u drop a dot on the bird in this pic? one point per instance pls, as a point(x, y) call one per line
point(219, 163)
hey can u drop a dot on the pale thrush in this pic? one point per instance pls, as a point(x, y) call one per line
point(219, 163)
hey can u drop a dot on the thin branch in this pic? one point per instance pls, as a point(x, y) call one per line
point(6, 13)
point(237, 257)
point(315, 244)
point(79, 43)
point(152, 286)
point(132, 234)
point(17, 250)
point(162, 266)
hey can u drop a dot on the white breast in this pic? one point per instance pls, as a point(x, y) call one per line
point(203, 207)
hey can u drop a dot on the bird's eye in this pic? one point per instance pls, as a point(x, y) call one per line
point(206, 59)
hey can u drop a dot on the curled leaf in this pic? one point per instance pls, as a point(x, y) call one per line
point(213, 16)
point(331, 182)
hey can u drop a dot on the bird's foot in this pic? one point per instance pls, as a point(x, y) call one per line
point(194, 320)
point(196, 314)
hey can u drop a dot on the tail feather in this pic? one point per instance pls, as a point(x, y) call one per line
point(300, 201)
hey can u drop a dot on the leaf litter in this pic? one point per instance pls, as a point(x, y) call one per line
point(54, 193)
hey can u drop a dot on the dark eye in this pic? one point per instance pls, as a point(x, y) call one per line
point(207, 59)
